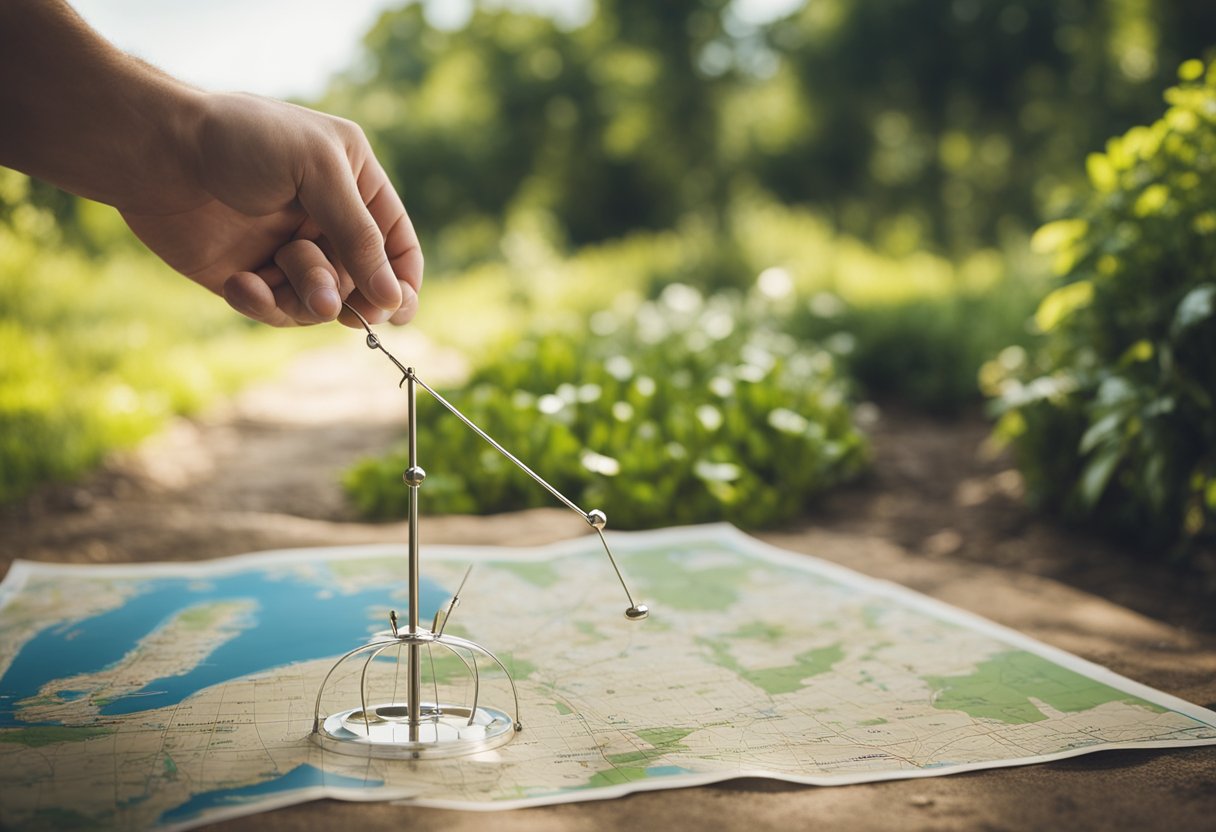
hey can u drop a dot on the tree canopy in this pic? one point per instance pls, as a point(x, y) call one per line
point(932, 123)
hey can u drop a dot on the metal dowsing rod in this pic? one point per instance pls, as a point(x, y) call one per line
point(595, 518)
point(414, 475)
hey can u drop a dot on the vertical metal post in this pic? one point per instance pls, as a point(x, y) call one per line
point(413, 481)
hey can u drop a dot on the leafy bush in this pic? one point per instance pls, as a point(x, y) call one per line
point(96, 353)
point(689, 410)
point(1113, 419)
point(906, 324)
point(925, 348)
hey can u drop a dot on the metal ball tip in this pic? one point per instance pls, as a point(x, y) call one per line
point(597, 518)
point(637, 613)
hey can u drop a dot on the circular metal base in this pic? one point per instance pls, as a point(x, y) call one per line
point(443, 731)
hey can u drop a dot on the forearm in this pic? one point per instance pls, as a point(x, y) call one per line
point(79, 113)
point(283, 210)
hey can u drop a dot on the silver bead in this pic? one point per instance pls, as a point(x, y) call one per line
point(637, 613)
point(597, 518)
point(414, 476)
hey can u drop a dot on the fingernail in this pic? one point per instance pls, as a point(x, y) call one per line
point(409, 306)
point(385, 290)
point(324, 302)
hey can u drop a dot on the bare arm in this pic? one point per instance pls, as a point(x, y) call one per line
point(283, 210)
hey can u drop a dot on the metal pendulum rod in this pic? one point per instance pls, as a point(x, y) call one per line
point(414, 475)
point(598, 520)
point(595, 518)
point(541, 481)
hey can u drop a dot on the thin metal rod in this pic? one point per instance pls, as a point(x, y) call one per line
point(594, 518)
point(396, 674)
point(455, 602)
point(415, 653)
point(408, 375)
point(616, 569)
point(363, 685)
point(316, 713)
point(430, 657)
point(476, 688)
point(474, 647)
point(373, 342)
point(476, 679)
point(496, 446)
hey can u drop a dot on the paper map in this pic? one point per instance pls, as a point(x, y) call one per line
point(171, 695)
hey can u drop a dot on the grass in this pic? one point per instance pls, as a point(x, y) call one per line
point(98, 352)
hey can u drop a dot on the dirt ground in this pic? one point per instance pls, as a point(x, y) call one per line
point(940, 513)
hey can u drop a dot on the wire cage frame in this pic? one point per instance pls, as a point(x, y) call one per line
point(393, 729)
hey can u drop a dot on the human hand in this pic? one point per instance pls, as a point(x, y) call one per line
point(285, 212)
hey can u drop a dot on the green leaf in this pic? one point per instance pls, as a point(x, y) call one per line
point(1160, 406)
point(1198, 305)
point(1101, 172)
point(1097, 475)
point(1062, 303)
point(1053, 236)
point(1115, 390)
point(1191, 70)
point(1099, 432)
point(1153, 478)
point(1138, 352)
point(1151, 200)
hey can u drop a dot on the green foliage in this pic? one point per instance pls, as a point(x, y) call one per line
point(1114, 419)
point(593, 129)
point(916, 327)
point(688, 410)
point(923, 344)
point(964, 117)
point(96, 353)
point(926, 351)
point(947, 122)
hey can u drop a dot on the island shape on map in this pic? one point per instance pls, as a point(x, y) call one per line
point(172, 695)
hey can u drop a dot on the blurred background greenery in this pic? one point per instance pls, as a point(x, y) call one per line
point(681, 242)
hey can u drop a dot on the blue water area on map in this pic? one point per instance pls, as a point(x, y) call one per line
point(300, 777)
point(292, 620)
point(666, 771)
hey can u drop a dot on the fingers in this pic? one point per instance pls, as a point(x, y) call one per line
point(401, 246)
point(330, 194)
point(310, 274)
point(353, 297)
point(400, 240)
point(271, 296)
point(356, 242)
point(406, 313)
point(253, 296)
point(372, 313)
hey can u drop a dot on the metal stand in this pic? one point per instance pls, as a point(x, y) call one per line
point(414, 729)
